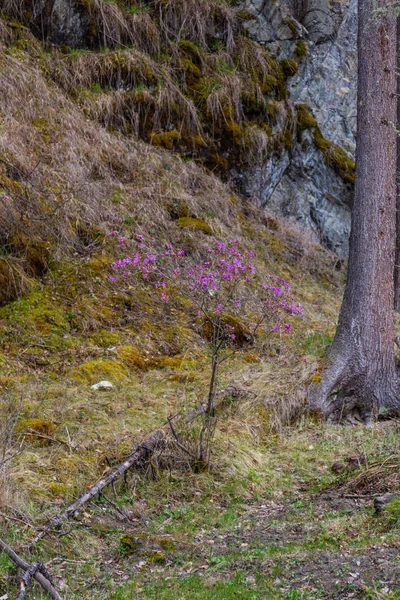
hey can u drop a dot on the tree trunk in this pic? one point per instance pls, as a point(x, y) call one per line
point(397, 259)
point(361, 374)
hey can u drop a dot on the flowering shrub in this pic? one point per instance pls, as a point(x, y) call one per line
point(232, 301)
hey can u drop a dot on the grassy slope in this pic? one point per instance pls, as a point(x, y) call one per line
point(71, 328)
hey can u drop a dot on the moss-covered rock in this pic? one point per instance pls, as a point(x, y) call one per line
point(156, 548)
point(95, 370)
point(194, 225)
point(336, 157)
point(304, 119)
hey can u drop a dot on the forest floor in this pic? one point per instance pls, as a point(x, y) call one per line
point(291, 529)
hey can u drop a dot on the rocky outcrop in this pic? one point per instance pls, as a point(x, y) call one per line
point(317, 18)
point(281, 123)
point(302, 185)
point(68, 24)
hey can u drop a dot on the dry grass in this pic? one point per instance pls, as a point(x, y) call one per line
point(378, 477)
point(114, 27)
point(155, 106)
point(9, 447)
point(200, 22)
point(58, 163)
point(113, 70)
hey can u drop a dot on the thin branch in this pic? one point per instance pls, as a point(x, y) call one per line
point(177, 442)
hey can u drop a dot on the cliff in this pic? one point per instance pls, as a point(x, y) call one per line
point(260, 93)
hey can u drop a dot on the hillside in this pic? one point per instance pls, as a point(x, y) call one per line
point(137, 125)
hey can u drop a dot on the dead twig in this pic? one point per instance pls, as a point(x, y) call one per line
point(43, 436)
point(177, 441)
point(115, 506)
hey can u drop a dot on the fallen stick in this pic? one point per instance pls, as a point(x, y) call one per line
point(40, 578)
point(140, 454)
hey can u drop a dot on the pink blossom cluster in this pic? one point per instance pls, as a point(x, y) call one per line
point(224, 283)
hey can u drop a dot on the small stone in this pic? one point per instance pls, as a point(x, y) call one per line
point(381, 501)
point(102, 385)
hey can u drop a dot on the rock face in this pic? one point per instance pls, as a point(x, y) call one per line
point(69, 24)
point(301, 185)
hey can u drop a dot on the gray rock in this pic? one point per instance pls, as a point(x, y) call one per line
point(300, 184)
point(381, 501)
point(317, 18)
point(69, 24)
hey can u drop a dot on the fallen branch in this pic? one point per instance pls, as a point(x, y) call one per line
point(138, 456)
point(33, 570)
point(27, 578)
point(43, 436)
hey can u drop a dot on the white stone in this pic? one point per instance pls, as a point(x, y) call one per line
point(102, 385)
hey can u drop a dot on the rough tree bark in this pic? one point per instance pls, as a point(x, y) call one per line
point(361, 374)
point(397, 259)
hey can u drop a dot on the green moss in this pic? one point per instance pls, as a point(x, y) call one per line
point(105, 339)
point(166, 139)
point(192, 51)
point(268, 84)
point(133, 359)
point(335, 157)
point(304, 119)
point(59, 490)
point(289, 67)
point(95, 370)
point(153, 547)
point(333, 154)
point(194, 225)
point(192, 71)
point(286, 139)
point(301, 50)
